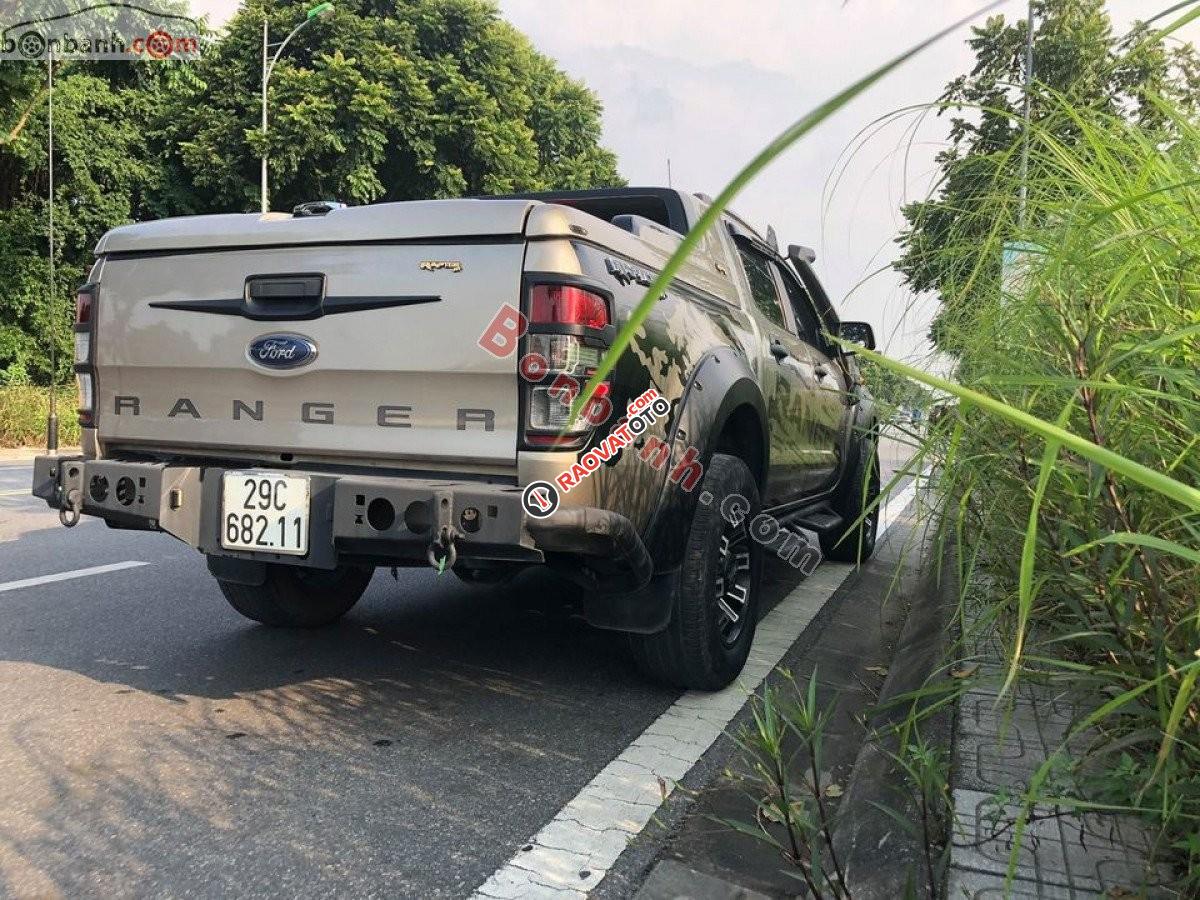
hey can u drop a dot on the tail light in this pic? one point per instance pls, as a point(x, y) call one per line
point(569, 329)
point(566, 304)
point(85, 371)
point(85, 299)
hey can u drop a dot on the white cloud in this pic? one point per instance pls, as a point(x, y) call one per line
point(218, 11)
point(731, 76)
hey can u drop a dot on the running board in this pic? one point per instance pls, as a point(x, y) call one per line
point(822, 520)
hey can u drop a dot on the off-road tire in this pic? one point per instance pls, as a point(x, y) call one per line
point(294, 597)
point(698, 649)
point(857, 543)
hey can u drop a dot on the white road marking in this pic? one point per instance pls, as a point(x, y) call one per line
point(67, 576)
point(571, 855)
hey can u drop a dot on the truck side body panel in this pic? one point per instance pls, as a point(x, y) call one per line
point(684, 326)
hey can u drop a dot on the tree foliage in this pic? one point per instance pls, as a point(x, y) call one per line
point(892, 390)
point(382, 100)
point(1078, 62)
point(385, 100)
point(103, 176)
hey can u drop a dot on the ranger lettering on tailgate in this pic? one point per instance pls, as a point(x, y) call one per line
point(311, 412)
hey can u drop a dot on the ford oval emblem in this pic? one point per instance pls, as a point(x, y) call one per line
point(281, 351)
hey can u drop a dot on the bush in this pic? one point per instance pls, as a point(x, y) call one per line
point(23, 412)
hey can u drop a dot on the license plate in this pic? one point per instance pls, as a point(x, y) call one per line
point(265, 511)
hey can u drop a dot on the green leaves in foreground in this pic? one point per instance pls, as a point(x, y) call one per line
point(1135, 471)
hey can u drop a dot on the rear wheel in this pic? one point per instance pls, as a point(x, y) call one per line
point(715, 608)
point(295, 597)
point(859, 493)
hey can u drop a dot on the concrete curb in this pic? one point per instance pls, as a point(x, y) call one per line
point(847, 644)
point(672, 880)
point(880, 858)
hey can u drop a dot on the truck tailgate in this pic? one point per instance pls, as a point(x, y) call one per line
point(397, 371)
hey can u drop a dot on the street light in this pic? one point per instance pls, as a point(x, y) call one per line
point(318, 11)
point(1025, 116)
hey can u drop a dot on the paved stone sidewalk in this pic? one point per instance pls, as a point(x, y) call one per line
point(998, 748)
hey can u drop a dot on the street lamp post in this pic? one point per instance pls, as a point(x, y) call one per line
point(321, 9)
point(52, 419)
point(1025, 116)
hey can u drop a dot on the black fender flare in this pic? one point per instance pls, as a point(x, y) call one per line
point(863, 430)
point(864, 420)
point(721, 383)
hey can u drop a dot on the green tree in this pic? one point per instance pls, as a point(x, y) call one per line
point(1076, 57)
point(103, 177)
point(891, 389)
point(383, 100)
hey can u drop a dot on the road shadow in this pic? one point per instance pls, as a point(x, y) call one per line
point(173, 748)
point(166, 629)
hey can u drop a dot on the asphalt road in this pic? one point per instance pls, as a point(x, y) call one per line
point(154, 742)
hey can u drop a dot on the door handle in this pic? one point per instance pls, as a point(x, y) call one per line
point(821, 371)
point(779, 351)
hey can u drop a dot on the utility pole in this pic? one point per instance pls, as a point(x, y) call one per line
point(1025, 117)
point(52, 419)
point(263, 180)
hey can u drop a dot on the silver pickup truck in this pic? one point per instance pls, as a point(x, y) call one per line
point(303, 397)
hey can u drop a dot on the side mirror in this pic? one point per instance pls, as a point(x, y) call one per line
point(858, 333)
point(798, 252)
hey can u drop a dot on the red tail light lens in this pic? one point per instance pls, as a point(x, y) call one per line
point(564, 304)
point(84, 301)
point(85, 375)
point(559, 362)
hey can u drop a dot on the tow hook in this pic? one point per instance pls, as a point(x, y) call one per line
point(70, 511)
point(441, 553)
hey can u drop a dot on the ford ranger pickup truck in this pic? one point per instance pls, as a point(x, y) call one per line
point(304, 397)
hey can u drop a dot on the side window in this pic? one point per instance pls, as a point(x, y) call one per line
point(807, 323)
point(762, 285)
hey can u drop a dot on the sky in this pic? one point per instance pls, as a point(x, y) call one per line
point(707, 83)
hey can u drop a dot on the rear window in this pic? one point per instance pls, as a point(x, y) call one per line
point(762, 285)
point(606, 208)
point(660, 205)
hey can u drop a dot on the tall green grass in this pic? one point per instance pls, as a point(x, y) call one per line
point(1072, 459)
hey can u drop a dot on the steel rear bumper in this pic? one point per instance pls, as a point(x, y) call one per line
point(487, 522)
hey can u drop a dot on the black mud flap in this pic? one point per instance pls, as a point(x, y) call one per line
point(644, 611)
